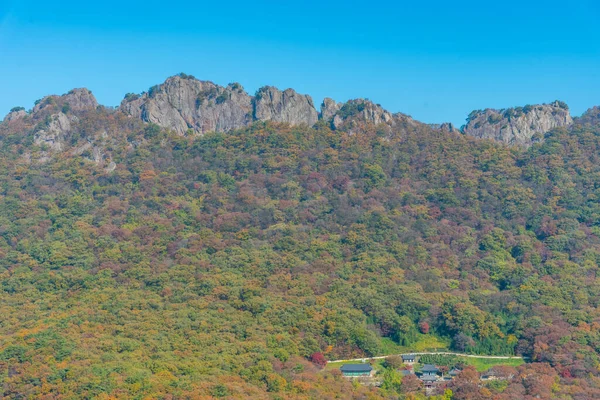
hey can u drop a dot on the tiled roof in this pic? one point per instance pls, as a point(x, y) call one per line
point(356, 368)
point(429, 368)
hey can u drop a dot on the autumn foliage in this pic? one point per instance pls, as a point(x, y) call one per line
point(226, 265)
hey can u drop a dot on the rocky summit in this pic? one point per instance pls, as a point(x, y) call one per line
point(518, 125)
point(187, 105)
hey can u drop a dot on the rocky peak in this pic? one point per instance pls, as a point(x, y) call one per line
point(184, 104)
point(356, 112)
point(80, 100)
point(15, 114)
point(517, 125)
point(329, 108)
point(272, 104)
point(76, 100)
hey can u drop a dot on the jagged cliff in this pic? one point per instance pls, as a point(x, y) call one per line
point(271, 104)
point(517, 125)
point(186, 105)
point(183, 103)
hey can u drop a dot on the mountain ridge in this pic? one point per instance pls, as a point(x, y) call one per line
point(188, 105)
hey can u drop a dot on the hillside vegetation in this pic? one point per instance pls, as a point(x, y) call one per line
point(216, 265)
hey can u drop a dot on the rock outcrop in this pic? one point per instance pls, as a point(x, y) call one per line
point(358, 113)
point(52, 118)
point(80, 100)
point(185, 104)
point(76, 100)
point(329, 108)
point(53, 134)
point(15, 114)
point(517, 125)
point(58, 122)
point(271, 104)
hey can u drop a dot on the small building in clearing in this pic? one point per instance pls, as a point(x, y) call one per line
point(356, 370)
point(408, 358)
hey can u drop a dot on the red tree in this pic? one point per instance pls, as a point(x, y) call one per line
point(318, 359)
point(424, 327)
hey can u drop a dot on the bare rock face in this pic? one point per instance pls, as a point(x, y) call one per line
point(517, 125)
point(329, 108)
point(52, 136)
point(80, 100)
point(271, 104)
point(184, 103)
point(356, 112)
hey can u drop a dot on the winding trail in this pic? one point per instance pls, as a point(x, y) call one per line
point(433, 353)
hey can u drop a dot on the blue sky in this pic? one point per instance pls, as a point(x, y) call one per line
point(435, 60)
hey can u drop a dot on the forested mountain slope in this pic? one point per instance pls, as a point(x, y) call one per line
point(139, 263)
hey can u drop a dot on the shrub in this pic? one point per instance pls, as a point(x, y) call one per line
point(222, 98)
point(186, 76)
point(131, 97)
point(393, 362)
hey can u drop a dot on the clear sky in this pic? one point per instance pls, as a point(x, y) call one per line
point(436, 60)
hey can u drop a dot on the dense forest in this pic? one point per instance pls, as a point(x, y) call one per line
point(219, 265)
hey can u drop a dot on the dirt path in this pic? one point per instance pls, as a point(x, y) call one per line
point(433, 353)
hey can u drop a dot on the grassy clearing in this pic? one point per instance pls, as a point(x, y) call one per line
point(483, 364)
